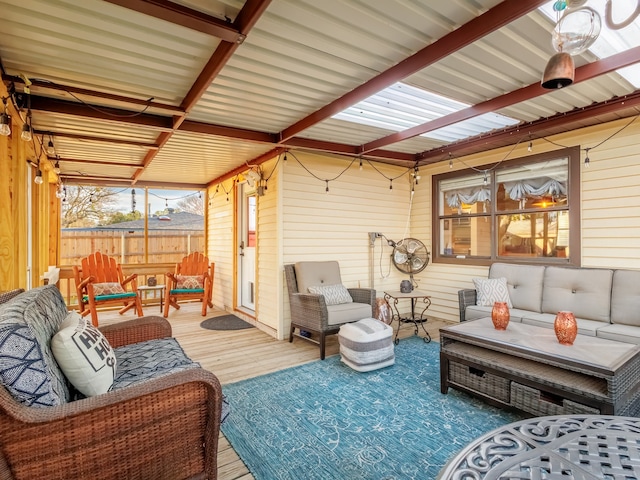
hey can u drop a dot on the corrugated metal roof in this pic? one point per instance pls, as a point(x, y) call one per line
point(167, 103)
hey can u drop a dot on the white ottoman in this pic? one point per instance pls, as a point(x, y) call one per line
point(366, 345)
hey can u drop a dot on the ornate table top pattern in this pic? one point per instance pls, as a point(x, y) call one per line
point(580, 447)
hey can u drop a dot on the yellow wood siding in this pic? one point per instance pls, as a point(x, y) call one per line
point(221, 241)
point(610, 193)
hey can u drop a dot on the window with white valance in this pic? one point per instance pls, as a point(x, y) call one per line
point(521, 210)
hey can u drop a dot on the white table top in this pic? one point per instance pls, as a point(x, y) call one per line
point(585, 349)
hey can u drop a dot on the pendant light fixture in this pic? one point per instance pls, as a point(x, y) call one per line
point(574, 32)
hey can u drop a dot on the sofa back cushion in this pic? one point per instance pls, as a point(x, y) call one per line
point(625, 298)
point(584, 291)
point(42, 310)
point(314, 274)
point(524, 283)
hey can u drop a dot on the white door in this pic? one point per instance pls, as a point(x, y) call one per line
point(246, 247)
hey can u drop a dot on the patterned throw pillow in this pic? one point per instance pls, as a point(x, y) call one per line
point(333, 294)
point(491, 290)
point(84, 355)
point(23, 371)
point(189, 282)
point(107, 288)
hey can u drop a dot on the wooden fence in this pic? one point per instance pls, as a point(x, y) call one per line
point(166, 248)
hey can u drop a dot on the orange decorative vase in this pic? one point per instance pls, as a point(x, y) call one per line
point(566, 327)
point(500, 315)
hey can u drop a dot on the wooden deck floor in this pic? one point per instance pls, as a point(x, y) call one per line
point(239, 354)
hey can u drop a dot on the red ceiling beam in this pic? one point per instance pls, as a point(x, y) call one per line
point(96, 162)
point(586, 72)
point(510, 135)
point(8, 79)
point(230, 132)
point(89, 138)
point(493, 19)
point(184, 16)
point(65, 107)
point(246, 19)
point(265, 157)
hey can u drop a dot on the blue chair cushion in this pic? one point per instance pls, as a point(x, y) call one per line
point(113, 296)
point(183, 290)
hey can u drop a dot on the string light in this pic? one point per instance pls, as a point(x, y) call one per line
point(360, 163)
point(133, 200)
point(38, 180)
point(586, 158)
point(26, 134)
point(391, 184)
point(327, 187)
point(56, 167)
point(450, 160)
point(5, 120)
point(486, 180)
point(51, 150)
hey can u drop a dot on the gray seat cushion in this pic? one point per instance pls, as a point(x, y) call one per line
point(584, 291)
point(474, 312)
point(313, 274)
point(625, 298)
point(585, 326)
point(143, 361)
point(620, 333)
point(524, 283)
point(348, 312)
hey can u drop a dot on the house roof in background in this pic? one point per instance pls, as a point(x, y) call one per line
point(190, 92)
point(169, 221)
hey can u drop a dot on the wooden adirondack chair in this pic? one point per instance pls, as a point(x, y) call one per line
point(100, 281)
point(192, 280)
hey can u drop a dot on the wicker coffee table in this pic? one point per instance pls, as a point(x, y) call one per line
point(525, 367)
point(578, 447)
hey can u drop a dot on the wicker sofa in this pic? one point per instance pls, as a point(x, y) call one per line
point(606, 302)
point(160, 419)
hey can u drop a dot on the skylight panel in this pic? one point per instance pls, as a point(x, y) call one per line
point(402, 106)
point(610, 42)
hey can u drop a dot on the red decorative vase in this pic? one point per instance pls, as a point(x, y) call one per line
point(500, 315)
point(566, 327)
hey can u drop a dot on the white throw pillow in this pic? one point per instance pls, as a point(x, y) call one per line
point(84, 355)
point(491, 290)
point(333, 294)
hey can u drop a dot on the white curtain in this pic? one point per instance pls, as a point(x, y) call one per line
point(521, 189)
point(455, 198)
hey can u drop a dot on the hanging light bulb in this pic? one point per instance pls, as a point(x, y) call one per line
point(586, 158)
point(450, 160)
point(59, 191)
point(133, 200)
point(56, 167)
point(485, 181)
point(391, 184)
point(5, 120)
point(26, 134)
point(51, 151)
point(326, 190)
point(360, 164)
point(38, 180)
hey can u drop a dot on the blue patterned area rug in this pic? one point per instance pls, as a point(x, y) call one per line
point(323, 420)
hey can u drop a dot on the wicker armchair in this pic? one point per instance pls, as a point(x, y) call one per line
point(163, 428)
point(310, 313)
point(466, 297)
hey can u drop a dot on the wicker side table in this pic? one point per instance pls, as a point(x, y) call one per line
point(580, 447)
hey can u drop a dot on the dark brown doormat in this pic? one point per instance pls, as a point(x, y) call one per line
point(225, 322)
